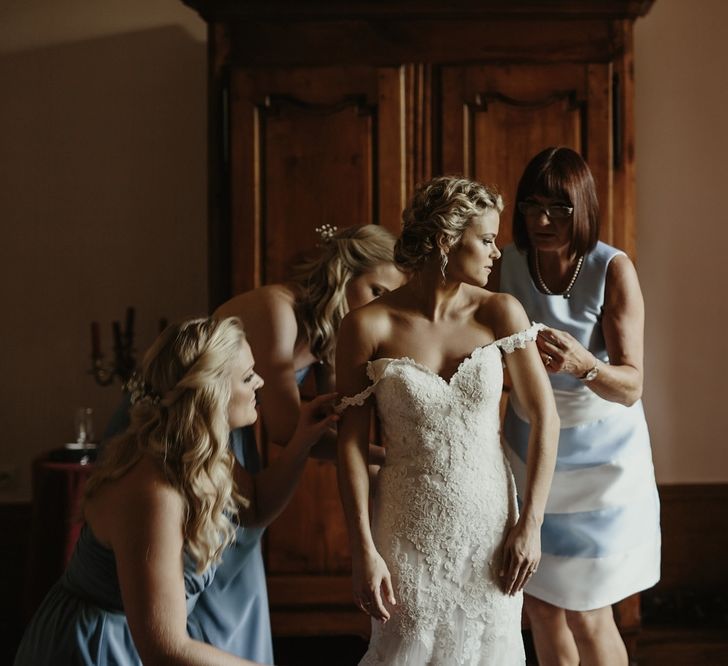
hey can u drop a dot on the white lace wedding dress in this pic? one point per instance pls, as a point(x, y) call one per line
point(445, 500)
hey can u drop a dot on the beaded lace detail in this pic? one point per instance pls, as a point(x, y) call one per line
point(508, 345)
point(520, 339)
point(445, 500)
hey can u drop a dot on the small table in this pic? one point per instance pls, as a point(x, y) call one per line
point(55, 524)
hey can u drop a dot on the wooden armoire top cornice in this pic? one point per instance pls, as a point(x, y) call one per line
point(322, 10)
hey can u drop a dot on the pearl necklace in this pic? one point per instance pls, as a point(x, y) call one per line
point(567, 292)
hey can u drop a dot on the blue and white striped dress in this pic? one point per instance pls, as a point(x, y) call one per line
point(601, 532)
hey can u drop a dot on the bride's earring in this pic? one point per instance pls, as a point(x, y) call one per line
point(443, 265)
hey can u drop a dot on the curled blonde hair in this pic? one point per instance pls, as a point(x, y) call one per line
point(185, 430)
point(444, 205)
point(321, 281)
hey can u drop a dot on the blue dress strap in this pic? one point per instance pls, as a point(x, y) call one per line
point(520, 339)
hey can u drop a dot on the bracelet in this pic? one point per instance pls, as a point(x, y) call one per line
point(591, 374)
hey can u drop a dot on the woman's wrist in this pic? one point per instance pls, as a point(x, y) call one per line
point(295, 452)
point(363, 550)
point(587, 367)
point(531, 519)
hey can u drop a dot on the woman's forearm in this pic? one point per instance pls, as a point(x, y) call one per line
point(274, 486)
point(616, 383)
point(353, 474)
point(325, 448)
point(542, 447)
point(193, 653)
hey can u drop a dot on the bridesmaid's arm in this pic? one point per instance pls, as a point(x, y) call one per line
point(146, 537)
point(325, 448)
point(270, 490)
point(371, 578)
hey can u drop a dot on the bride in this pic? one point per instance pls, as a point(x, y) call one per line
point(442, 566)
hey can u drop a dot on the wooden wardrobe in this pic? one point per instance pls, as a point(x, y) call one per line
point(331, 111)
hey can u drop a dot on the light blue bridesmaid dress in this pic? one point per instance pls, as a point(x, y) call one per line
point(233, 612)
point(601, 532)
point(81, 620)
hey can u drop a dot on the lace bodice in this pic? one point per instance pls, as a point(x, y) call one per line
point(444, 502)
point(508, 345)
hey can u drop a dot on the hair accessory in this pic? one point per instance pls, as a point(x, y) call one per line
point(326, 232)
point(140, 391)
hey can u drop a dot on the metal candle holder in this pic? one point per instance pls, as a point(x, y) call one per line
point(124, 362)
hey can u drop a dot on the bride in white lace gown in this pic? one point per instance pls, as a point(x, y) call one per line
point(441, 568)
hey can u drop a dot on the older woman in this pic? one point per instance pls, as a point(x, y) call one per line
point(601, 536)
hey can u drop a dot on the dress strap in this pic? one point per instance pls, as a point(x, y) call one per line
point(519, 340)
point(359, 398)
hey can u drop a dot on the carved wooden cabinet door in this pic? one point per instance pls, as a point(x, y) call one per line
point(310, 146)
point(495, 118)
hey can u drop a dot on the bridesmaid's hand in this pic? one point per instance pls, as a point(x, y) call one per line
point(372, 584)
point(316, 417)
point(562, 352)
point(521, 555)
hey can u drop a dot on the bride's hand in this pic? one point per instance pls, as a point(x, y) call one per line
point(521, 555)
point(372, 584)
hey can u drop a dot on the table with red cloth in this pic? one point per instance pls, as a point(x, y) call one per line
point(55, 524)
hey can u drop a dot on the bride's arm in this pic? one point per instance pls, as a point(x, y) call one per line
point(523, 546)
point(371, 578)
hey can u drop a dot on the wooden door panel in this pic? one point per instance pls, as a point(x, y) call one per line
point(316, 169)
point(310, 537)
point(503, 136)
point(496, 118)
point(310, 146)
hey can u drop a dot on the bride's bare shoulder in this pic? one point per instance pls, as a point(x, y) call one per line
point(501, 312)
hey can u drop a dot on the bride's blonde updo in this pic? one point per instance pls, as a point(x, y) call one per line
point(444, 205)
point(180, 420)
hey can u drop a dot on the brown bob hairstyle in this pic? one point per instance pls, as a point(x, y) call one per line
point(560, 173)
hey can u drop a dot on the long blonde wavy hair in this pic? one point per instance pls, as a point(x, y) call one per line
point(320, 282)
point(182, 424)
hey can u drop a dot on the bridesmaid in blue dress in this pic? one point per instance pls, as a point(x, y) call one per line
point(601, 534)
point(291, 328)
point(160, 509)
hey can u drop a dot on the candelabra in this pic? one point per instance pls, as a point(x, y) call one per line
point(123, 362)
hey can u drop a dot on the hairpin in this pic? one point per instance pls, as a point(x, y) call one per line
point(140, 391)
point(326, 232)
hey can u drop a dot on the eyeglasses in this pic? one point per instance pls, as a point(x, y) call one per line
point(553, 212)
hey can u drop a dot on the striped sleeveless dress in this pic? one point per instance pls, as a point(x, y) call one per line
point(601, 533)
